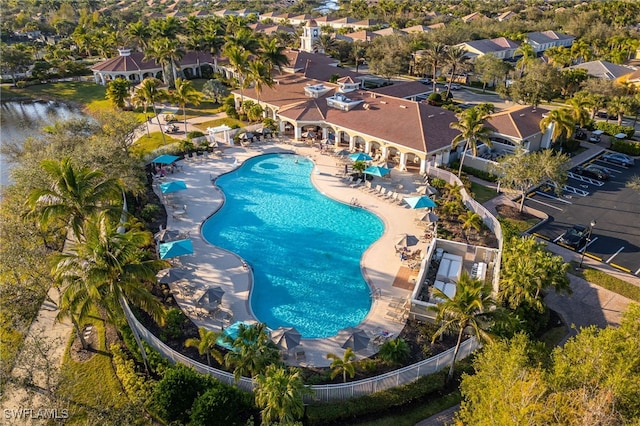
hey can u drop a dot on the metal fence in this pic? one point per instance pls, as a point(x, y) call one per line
point(321, 393)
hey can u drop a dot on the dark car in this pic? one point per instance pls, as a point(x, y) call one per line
point(617, 158)
point(575, 236)
point(594, 172)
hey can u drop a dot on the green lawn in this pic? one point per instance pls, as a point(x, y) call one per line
point(152, 142)
point(521, 225)
point(410, 416)
point(607, 281)
point(482, 193)
point(88, 94)
point(92, 384)
point(231, 122)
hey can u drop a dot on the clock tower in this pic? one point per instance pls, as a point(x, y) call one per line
point(310, 34)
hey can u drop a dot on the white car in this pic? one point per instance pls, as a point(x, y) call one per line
point(455, 86)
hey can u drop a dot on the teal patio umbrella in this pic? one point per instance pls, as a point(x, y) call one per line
point(360, 156)
point(165, 159)
point(175, 249)
point(377, 171)
point(421, 202)
point(173, 186)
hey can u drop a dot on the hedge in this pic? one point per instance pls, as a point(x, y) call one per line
point(614, 128)
point(626, 147)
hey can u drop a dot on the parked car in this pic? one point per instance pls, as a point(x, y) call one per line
point(425, 80)
point(594, 138)
point(455, 86)
point(593, 171)
point(618, 158)
point(575, 237)
point(581, 135)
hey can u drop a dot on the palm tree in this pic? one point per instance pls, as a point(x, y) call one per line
point(117, 91)
point(394, 351)
point(148, 93)
point(324, 44)
point(618, 105)
point(435, 55)
point(471, 124)
point(238, 59)
point(581, 51)
point(167, 53)
point(358, 53)
point(243, 38)
point(343, 365)
point(469, 308)
point(72, 194)
point(258, 74)
point(528, 55)
point(103, 268)
point(213, 40)
point(561, 122)
point(253, 351)
point(471, 220)
point(456, 60)
point(272, 55)
point(183, 94)
point(167, 28)
point(139, 34)
point(206, 344)
point(579, 110)
point(280, 395)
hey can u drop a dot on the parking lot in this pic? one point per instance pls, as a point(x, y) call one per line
point(614, 208)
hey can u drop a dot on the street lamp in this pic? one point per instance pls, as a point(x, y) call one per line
point(584, 250)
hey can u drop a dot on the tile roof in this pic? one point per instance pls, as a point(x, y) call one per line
point(493, 45)
point(404, 89)
point(519, 122)
point(135, 62)
point(547, 37)
point(604, 70)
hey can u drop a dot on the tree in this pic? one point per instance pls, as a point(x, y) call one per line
point(528, 56)
point(215, 90)
point(388, 56)
point(572, 79)
point(326, 44)
point(243, 38)
point(149, 93)
point(560, 122)
point(72, 194)
point(471, 307)
point(471, 124)
point(184, 94)
point(528, 270)
point(280, 395)
point(560, 56)
point(618, 105)
point(471, 220)
point(521, 171)
point(456, 61)
point(358, 52)
point(117, 91)
point(221, 404)
point(166, 52)
point(435, 56)
point(238, 59)
point(252, 351)
point(138, 34)
point(579, 110)
point(258, 74)
point(206, 344)
point(343, 365)
point(491, 70)
point(273, 55)
point(541, 82)
point(14, 60)
point(104, 267)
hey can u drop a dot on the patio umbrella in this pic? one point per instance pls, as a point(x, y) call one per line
point(170, 275)
point(165, 159)
point(377, 171)
point(429, 217)
point(360, 156)
point(426, 190)
point(421, 202)
point(286, 337)
point(211, 298)
point(173, 186)
point(166, 235)
point(401, 240)
point(354, 338)
point(341, 152)
point(175, 249)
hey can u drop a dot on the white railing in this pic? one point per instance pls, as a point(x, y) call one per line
point(323, 393)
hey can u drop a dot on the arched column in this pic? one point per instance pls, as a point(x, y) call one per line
point(403, 161)
point(325, 133)
point(423, 165)
point(367, 147)
point(297, 132)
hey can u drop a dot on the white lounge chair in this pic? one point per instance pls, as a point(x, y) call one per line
point(356, 183)
point(382, 192)
point(178, 214)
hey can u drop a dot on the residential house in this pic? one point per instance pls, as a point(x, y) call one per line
point(472, 17)
point(501, 47)
point(505, 16)
point(605, 70)
point(541, 41)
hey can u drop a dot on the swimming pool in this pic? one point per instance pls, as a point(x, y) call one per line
point(304, 247)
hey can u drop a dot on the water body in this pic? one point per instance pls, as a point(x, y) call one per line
point(20, 120)
point(328, 6)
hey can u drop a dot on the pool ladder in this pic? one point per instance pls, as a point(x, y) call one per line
point(376, 293)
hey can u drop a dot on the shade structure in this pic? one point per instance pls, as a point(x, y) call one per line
point(341, 152)
point(377, 171)
point(173, 186)
point(598, 132)
point(166, 235)
point(211, 298)
point(354, 338)
point(426, 190)
point(401, 240)
point(175, 249)
point(170, 275)
point(165, 159)
point(620, 136)
point(421, 202)
point(286, 337)
point(430, 217)
point(360, 156)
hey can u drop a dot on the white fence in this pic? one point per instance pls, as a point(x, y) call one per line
point(323, 393)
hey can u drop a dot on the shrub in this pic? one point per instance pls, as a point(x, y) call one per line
point(223, 405)
point(614, 128)
point(435, 99)
point(150, 212)
point(438, 183)
point(570, 145)
point(135, 386)
point(626, 147)
point(194, 134)
point(174, 322)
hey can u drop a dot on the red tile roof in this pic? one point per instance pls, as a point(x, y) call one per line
point(518, 122)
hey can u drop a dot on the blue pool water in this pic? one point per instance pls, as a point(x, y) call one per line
point(304, 247)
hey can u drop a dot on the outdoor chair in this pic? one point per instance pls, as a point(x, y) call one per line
point(356, 183)
point(178, 214)
point(382, 192)
point(300, 355)
point(366, 186)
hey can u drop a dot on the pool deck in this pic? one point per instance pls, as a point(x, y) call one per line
point(211, 266)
